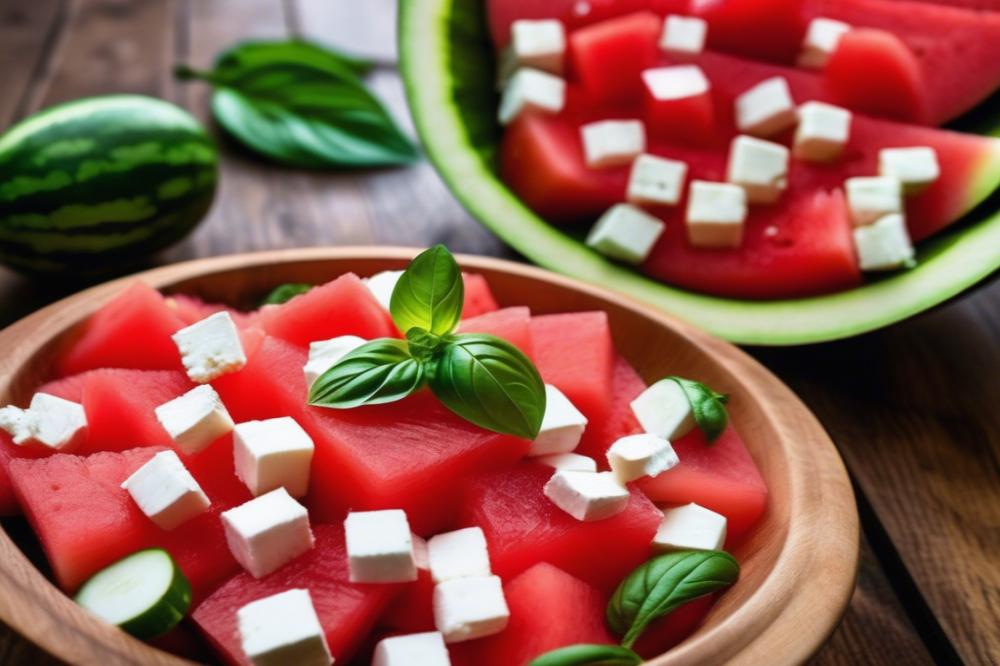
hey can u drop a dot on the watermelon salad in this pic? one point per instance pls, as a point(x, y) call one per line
point(757, 149)
point(389, 470)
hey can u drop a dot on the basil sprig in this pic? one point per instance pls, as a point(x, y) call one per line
point(588, 655)
point(707, 407)
point(285, 292)
point(481, 378)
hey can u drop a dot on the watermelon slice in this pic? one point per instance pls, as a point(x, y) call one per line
point(192, 309)
point(511, 324)
point(626, 385)
point(479, 297)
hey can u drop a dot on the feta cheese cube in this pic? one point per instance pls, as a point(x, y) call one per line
point(884, 245)
point(822, 132)
point(283, 629)
point(759, 167)
point(166, 492)
point(470, 608)
point(380, 547)
point(683, 35)
point(587, 496)
point(663, 410)
point(381, 285)
point(210, 348)
point(569, 461)
point(625, 233)
point(426, 649)
point(458, 554)
point(822, 37)
point(766, 109)
point(324, 354)
point(538, 44)
point(562, 425)
point(715, 214)
point(869, 198)
point(531, 90)
point(273, 454)
point(636, 456)
point(609, 143)
point(49, 422)
point(915, 168)
point(267, 532)
point(675, 82)
point(656, 181)
point(690, 527)
point(195, 419)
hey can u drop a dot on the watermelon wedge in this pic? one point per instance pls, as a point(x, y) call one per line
point(192, 309)
point(626, 385)
point(511, 324)
point(479, 298)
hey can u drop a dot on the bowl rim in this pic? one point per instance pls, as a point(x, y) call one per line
point(791, 612)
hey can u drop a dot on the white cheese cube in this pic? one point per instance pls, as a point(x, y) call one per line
point(273, 454)
point(538, 44)
point(195, 419)
point(683, 35)
point(421, 556)
point(569, 461)
point(664, 410)
point(283, 629)
point(49, 422)
point(766, 109)
point(470, 608)
point(458, 554)
point(675, 82)
point(690, 527)
point(915, 168)
point(869, 198)
point(531, 90)
point(884, 245)
point(267, 532)
point(380, 547)
point(587, 496)
point(759, 167)
point(562, 425)
point(822, 132)
point(609, 143)
point(715, 214)
point(210, 348)
point(822, 37)
point(636, 456)
point(166, 492)
point(324, 354)
point(656, 181)
point(426, 649)
point(625, 233)
point(381, 285)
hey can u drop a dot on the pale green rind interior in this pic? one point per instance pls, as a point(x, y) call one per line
point(429, 33)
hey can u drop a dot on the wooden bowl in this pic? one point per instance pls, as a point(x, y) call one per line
point(798, 568)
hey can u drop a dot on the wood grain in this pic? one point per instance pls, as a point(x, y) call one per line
point(26, 29)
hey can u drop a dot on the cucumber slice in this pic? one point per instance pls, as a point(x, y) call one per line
point(146, 594)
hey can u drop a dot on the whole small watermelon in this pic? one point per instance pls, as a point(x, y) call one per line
point(95, 185)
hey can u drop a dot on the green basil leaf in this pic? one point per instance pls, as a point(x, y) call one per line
point(707, 406)
point(491, 383)
point(663, 583)
point(423, 345)
point(588, 655)
point(377, 372)
point(285, 292)
point(254, 53)
point(430, 293)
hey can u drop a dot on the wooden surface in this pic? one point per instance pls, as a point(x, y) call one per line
point(913, 409)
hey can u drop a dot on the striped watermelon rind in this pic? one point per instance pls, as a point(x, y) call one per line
point(95, 185)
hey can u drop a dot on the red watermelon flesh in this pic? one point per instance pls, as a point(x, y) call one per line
point(668, 631)
point(479, 297)
point(609, 57)
point(511, 324)
point(523, 528)
point(626, 385)
point(975, 5)
point(721, 477)
point(346, 611)
point(760, 29)
point(413, 611)
point(502, 13)
point(192, 309)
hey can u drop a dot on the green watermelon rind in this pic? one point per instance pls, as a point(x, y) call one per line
point(452, 105)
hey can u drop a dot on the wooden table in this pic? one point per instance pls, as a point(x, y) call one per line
point(915, 409)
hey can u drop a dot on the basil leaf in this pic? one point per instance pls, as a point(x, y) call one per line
point(489, 382)
point(254, 53)
point(707, 407)
point(588, 655)
point(423, 345)
point(663, 583)
point(285, 292)
point(430, 293)
point(377, 372)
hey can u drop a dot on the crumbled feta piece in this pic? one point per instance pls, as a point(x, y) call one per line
point(766, 109)
point(531, 90)
point(210, 348)
point(656, 181)
point(871, 197)
point(683, 35)
point(324, 354)
point(759, 167)
point(822, 132)
point(267, 532)
point(569, 461)
point(625, 233)
point(283, 629)
point(587, 496)
point(715, 214)
point(458, 554)
point(690, 527)
point(884, 245)
point(380, 547)
point(273, 454)
point(470, 608)
point(166, 492)
point(538, 44)
point(195, 419)
point(609, 143)
point(675, 82)
point(822, 37)
point(426, 649)
point(663, 410)
point(915, 168)
point(49, 422)
point(381, 285)
point(636, 456)
point(562, 425)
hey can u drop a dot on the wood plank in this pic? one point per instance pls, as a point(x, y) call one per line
point(26, 30)
point(366, 28)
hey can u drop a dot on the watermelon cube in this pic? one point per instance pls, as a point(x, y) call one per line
point(671, 629)
point(609, 57)
point(511, 324)
point(620, 421)
point(479, 297)
point(671, 114)
point(413, 611)
point(192, 309)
